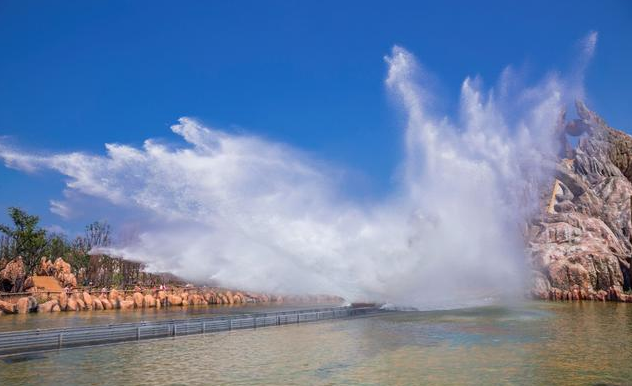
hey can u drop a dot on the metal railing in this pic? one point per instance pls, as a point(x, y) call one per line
point(16, 342)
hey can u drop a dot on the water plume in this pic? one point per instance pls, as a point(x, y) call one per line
point(250, 213)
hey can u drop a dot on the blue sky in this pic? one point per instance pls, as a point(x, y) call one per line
point(76, 75)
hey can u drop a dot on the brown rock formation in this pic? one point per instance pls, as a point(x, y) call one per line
point(63, 300)
point(162, 297)
point(114, 296)
point(63, 272)
point(13, 275)
point(581, 246)
point(72, 305)
point(210, 297)
point(174, 300)
point(7, 308)
point(46, 268)
point(87, 299)
point(97, 304)
point(149, 301)
point(47, 306)
point(83, 300)
point(126, 304)
point(138, 299)
point(26, 305)
point(106, 303)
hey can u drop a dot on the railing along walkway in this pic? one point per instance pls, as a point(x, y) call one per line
point(16, 342)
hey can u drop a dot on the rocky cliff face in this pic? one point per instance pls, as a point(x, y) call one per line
point(580, 245)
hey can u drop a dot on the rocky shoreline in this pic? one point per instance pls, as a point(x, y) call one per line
point(149, 298)
point(72, 299)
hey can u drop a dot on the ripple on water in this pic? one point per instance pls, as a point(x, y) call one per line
point(532, 344)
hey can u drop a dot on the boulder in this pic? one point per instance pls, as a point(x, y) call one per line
point(196, 300)
point(210, 297)
point(63, 300)
point(61, 266)
point(97, 304)
point(46, 267)
point(162, 296)
point(26, 305)
point(106, 303)
point(126, 304)
point(55, 308)
point(47, 306)
point(67, 279)
point(63, 273)
point(28, 284)
point(174, 300)
point(87, 299)
point(13, 275)
point(138, 298)
point(7, 308)
point(149, 301)
point(72, 304)
point(113, 296)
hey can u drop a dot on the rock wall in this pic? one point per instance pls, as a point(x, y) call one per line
point(149, 298)
point(13, 275)
point(580, 246)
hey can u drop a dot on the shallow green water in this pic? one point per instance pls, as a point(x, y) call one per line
point(532, 344)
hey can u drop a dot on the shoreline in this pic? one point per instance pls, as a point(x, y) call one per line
point(113, 299)
point(613, 294)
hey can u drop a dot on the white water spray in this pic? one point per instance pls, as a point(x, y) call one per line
point(254, 214)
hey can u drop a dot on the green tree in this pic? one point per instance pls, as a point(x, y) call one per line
point(91, 266)
point(7, 249)
point(29, 240)
point(56, 246)
point(78, 257)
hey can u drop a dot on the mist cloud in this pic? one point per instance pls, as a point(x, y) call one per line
point(255, 214)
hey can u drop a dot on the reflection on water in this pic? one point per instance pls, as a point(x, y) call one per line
point(531, 344)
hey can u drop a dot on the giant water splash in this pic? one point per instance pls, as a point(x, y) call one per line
point(254, 214)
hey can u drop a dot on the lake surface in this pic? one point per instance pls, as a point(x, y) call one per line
point(85, 318)
point(530, 344)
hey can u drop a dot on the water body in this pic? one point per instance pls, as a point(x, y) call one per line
point(528, 344)
point(86, 318)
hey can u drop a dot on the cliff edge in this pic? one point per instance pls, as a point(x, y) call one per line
point(580, 245)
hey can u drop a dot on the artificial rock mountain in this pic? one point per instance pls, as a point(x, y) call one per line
point(580, 247)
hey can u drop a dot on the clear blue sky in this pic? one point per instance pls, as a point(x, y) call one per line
point(75, 75)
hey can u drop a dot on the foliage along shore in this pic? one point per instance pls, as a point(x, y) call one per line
point(32, 283)
point(28, 241)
